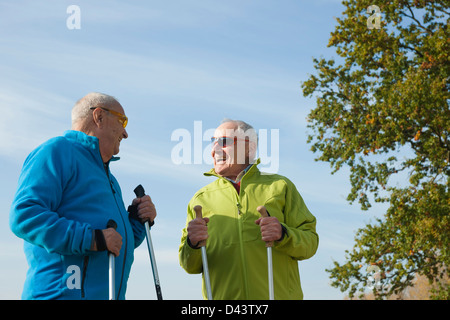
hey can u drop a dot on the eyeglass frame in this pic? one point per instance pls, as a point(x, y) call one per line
point(123, 119)
point(235, 139)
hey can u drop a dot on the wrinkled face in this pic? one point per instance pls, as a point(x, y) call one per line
point(230, 150)
point(112, 131)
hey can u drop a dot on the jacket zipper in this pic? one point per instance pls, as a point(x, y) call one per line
point(241, 248)
point(83, 277)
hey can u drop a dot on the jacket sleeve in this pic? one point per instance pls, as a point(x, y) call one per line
point(301, 241)
point(190, 259)
point(138, 231)
point(33, 214)
point(137, 227)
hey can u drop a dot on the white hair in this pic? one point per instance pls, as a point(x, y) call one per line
point(248, 132)
point(80, 110)
point(245, 128)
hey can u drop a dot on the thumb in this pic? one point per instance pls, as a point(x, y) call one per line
point(258, 221)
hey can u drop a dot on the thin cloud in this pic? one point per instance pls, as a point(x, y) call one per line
point(29, 117)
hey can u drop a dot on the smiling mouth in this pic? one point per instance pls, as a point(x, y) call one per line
point(220, 160)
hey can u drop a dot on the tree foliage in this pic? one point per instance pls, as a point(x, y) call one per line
point(382, 109)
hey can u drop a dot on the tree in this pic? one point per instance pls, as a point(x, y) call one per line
point(382, 109)
point(422, 290)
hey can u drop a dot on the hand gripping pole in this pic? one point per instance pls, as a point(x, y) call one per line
point(202, 244)
point(112, 266)
point(269, 244)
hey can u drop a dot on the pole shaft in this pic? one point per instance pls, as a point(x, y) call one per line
point(270, 272)
point(112, 265)
point(153, 261)
point(112, 280)
point(269, 244)
point(202, 244)
point(206, 274)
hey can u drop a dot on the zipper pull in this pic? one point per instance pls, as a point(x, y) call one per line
point(239, 207)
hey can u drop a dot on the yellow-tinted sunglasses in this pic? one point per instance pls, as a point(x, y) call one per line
point(121, 117)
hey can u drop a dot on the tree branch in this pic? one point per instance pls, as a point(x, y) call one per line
point(413, 17)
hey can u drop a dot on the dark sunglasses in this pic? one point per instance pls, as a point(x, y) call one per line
point(226, 141)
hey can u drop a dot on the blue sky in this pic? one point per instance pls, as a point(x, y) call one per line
point(170, 64)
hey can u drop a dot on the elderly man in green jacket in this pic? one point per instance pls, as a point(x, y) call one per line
point(234, 230)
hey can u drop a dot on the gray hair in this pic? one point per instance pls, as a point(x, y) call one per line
point(80, 110)
point(246, 128)
point(249, 132)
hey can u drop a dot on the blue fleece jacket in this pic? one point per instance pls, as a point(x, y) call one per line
point(65, 192)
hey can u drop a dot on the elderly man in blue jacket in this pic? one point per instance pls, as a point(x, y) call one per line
point(66, 195)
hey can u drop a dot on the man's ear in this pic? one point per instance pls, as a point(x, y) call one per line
point(98, 117)
point(252, 146)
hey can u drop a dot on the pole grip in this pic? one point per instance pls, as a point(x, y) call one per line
point(111, 224)
point(139, 191)
point(202, 244)
point(198, 215)
point(263, 212)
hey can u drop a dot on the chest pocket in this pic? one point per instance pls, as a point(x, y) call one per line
point(223, 227)
point(227, 229)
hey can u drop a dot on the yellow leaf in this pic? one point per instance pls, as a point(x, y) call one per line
point(417, 136)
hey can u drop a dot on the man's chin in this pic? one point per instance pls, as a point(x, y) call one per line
point(220, 167)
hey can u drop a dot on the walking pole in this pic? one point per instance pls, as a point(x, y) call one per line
point(202, 244)
point(140, 192)
point(262, 210)
point(112, 266)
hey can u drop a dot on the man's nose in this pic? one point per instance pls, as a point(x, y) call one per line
point(217, 148)
point(125, 133)
point(218, 151)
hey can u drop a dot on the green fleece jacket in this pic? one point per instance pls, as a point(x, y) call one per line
point(237, 257)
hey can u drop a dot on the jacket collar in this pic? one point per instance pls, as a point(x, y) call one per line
point(89, 142)
point(253, 168)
